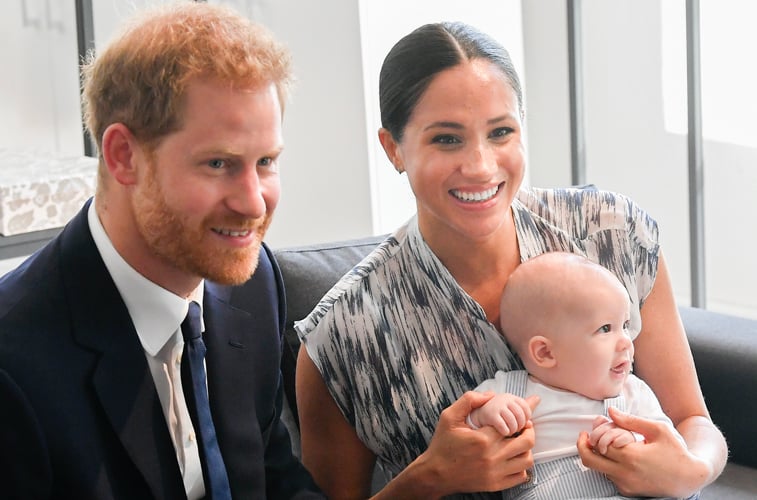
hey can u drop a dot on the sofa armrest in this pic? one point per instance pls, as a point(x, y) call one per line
point(725, 354)
point(309, 272)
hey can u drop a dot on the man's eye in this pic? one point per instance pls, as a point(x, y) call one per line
point(264, 162)
point(216, 164)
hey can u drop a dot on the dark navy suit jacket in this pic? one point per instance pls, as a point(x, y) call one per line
point(79, 414)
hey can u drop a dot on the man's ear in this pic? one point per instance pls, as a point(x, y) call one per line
point(391, 148)
point(540, 351)
point(121, 153)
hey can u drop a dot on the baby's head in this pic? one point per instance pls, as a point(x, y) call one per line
point(567, 318)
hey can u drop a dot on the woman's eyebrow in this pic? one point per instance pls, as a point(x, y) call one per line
point(458, 126)
point(443, 124)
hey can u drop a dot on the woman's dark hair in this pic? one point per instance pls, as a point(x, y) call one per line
point(418, 57)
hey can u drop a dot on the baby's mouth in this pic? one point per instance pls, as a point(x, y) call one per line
point(622, 368)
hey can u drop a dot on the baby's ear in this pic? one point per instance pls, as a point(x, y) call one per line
point(540, 351)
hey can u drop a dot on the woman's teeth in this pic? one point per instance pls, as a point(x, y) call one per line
point(474, 197)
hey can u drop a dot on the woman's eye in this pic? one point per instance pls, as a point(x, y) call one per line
point(501, 132)
point(445, 139)
point(216, 164)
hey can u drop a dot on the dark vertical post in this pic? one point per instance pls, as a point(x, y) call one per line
point(696, 161)
point(85, 37)
point(575, 79)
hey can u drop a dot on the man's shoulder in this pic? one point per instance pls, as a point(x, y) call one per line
point(264, 286)
point(33, 279)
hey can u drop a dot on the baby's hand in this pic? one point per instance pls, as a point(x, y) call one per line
point(605, 434)
point(505, 412)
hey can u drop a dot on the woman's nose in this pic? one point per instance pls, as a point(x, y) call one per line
point(480, 162)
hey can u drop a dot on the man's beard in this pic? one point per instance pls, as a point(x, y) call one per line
point(170, 236)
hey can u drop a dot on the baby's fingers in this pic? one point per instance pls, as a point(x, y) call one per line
point(601, 442)
point(614, 437)
point(512, 419)
point(599, 420)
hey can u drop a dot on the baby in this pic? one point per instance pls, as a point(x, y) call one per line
point(568, 320)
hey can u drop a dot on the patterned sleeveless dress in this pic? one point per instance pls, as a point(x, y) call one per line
point(397, 340)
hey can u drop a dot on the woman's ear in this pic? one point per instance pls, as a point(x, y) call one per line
point(541, 352)
point(391, 148)
point(120, 152)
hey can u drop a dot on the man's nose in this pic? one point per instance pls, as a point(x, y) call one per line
point(246, 194)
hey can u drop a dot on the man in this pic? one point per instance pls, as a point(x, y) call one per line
point(186, 108)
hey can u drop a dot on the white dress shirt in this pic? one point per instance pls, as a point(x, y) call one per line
point(157, 315)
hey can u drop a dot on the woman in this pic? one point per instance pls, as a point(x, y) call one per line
point(393, 349)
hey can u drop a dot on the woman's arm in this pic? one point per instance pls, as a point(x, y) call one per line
point(458, 459)
point(339, 462)
point(663, 359)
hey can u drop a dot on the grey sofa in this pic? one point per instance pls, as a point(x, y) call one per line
point(724, 349)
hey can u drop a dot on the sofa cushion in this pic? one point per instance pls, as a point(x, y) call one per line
point(309, 272)
point(725, 354)
point(738, 482)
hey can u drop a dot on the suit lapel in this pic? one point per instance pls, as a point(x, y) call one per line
point(230, 370)
point(243, 360)
point(122, 379)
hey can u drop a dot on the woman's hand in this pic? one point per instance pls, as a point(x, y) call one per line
point(505, 412)
point(663, 360)
point(660, 466)
point(461, 459)
point(605, 433)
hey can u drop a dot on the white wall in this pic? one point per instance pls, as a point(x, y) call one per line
point(337, 183)
point(324, 174)
point(629, 148)
point(382, 25)
point(326, 192)
point(545, 38)
point(39, 87)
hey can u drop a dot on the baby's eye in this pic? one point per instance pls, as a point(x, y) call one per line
point(605, 328)
point(627, 325)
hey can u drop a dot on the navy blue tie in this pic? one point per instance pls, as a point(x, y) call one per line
point(196, 395)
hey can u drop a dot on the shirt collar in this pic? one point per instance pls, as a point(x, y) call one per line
point(156, 312)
